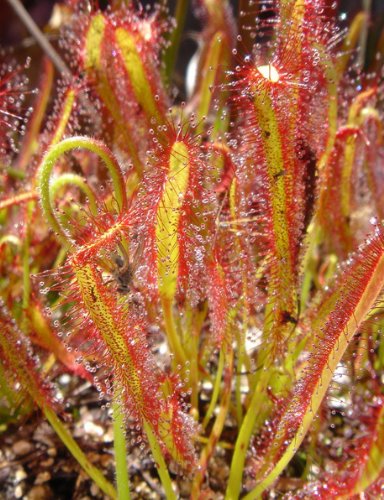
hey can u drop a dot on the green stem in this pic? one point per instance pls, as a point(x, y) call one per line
point(175, 38)
point(238, 381)
point(332, 78)
point(172, 335)
point(217, 426)
point(66, 111)
point(60, 258)
point(80, 182)
point(313, 239)
point(211, 67)
point(367, 7)
point(194, 374)
point(26, 266)
point(14, 173)
point(160, 462)
point(120, 446)
point(73, 447)
point(216, 389)
point(194, 321)
point(244, 436)
point(347, 50)
point(49, 161)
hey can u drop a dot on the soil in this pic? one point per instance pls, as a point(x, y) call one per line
point(35, 465)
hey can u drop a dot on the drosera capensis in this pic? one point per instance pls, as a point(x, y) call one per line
point(207, 255)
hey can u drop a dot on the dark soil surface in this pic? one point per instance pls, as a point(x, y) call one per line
point(35, 465)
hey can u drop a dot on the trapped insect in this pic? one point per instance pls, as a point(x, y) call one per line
point(202, 269)
point(123, 274)
point(125, 267)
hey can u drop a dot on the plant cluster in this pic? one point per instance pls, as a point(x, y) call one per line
point(213, 267)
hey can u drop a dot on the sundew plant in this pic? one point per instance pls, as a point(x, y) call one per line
point(207, 252)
